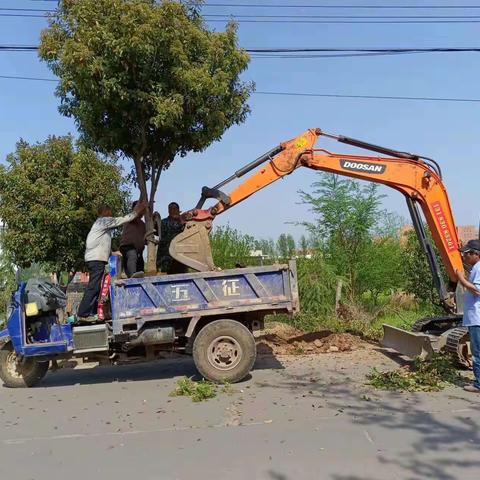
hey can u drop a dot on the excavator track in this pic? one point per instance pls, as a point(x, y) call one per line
point(458, 346)
point(436, 324)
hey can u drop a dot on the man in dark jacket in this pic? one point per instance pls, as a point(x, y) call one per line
point(132, 245)
point(170, 228)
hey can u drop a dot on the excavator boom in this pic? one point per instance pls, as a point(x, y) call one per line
point(416, 177)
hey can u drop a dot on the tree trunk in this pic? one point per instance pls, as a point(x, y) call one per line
point(142, 186)
point(151, 264)
point(338, 295)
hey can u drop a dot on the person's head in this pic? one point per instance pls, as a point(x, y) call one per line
point(173, 210)
point(471, 252)
point(104, 210)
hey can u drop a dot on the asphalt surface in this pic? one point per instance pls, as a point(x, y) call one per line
point(296, 418)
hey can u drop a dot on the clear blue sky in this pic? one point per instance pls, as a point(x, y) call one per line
point(445, 131)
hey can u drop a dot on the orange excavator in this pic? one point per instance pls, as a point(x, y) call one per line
point(418, 178)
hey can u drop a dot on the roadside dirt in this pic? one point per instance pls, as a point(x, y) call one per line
point(281, 339)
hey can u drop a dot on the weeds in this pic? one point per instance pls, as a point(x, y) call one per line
point(431, 375)
point(299, 350)
point(227, 388)
point(197, 391)
point(365, 324)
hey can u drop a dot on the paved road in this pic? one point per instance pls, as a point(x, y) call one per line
point(302, 418)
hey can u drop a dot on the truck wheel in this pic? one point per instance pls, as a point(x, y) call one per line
point(224, 350)
point(17, 373)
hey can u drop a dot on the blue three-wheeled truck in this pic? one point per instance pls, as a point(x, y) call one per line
point(210, 315)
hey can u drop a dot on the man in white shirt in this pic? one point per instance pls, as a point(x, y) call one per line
point(471, 306)
point(97, 252)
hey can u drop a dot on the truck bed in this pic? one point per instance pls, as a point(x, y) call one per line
point(268, 289)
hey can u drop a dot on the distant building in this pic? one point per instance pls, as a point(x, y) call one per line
point(309, 253)
point(258, 253)
point(464, 232)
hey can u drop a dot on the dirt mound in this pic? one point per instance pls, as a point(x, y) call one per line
point(281, 339)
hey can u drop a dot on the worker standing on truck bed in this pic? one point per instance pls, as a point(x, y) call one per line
point(99, 244)
point(132, 245)
point(170, 228)
point(471, 307)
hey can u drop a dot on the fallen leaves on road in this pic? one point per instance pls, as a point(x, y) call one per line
point(428, 376)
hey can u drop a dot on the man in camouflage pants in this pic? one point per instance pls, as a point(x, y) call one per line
point(170, 228)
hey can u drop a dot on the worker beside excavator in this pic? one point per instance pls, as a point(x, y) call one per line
point(471, 306)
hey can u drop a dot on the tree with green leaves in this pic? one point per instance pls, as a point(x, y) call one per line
point(147, 80)
point(7, 281)
point(346, 215)
point(303, 245)
point(286, 246)
point(379, 268)
point(49, 195)
point(418, 277)
point(230, 247)
point(317, 282)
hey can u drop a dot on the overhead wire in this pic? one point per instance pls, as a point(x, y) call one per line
point(307, 52)
point(304, 94)
point(295, 50)
point(326, 6)
point(38, 79)
point(380, 97)
point(332, 6)
point(278, 18)
point(339, 22)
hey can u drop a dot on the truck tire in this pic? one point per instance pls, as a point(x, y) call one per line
point(224, 351)
point(17, 373)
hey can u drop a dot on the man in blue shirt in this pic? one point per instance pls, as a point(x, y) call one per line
point(471, 307)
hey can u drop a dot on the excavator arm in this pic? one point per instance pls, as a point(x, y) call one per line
point(417, 178)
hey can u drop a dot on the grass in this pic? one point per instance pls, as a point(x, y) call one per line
point(421, 376)
point(366, 324)
point(197, 391)
point(202, 390)
point(299, 350)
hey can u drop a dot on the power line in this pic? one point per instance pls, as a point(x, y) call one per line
point(379, 97)
point(349, 17)
point(338, 22)
point(368, 6)
point(358, 17)
point(307, 19)
point(14, 77)
point(331, 6)
point(27, 15)
point(304, 53)
point(369, 50)
point(15, 9)
point(290, 50)
point(319, 19)
point(299, 94)
point(333, 55)
point(18, 48)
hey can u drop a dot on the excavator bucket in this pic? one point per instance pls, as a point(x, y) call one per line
point(192, 247)
point(411, 344)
